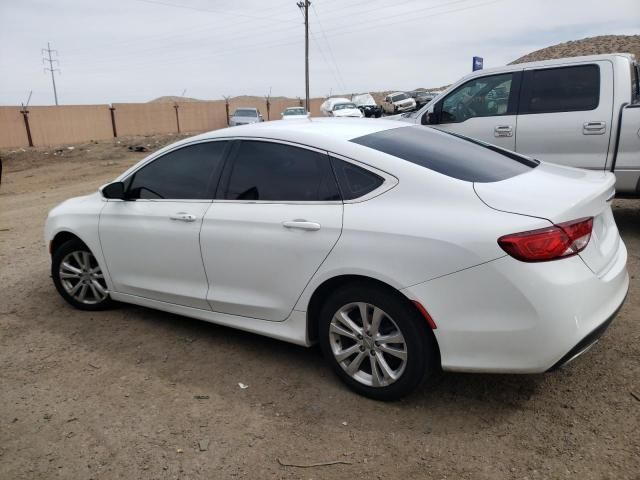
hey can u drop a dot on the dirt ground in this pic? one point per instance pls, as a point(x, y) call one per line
point(136, 393)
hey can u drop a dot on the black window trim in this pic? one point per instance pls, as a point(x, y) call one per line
point(127, 177)
point(225, 177)
point(515, 93)
point(525, 90)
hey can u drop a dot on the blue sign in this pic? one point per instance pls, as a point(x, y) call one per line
point(477, 63)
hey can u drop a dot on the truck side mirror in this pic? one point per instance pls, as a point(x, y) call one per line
point(429, 118)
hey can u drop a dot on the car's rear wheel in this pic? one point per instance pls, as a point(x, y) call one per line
point(376, 341)
point(78, 277)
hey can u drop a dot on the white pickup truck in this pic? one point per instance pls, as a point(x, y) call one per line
point(581, 111)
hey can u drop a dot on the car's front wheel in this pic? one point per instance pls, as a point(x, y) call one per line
point(78, 277)
point(376, 341)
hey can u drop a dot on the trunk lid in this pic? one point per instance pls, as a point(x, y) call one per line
point(561, 194)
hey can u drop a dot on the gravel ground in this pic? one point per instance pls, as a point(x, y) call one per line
point(136, 393)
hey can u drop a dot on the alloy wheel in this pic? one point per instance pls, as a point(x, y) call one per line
point(368, 344)
point(82, 278)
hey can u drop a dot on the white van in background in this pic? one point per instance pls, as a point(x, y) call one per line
point(581, 111)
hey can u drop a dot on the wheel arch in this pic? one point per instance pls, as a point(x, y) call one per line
point(322, 292)
point(61, 238)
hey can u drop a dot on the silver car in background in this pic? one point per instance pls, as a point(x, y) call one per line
point(244, 116)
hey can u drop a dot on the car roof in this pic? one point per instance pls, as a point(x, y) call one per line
point(308, 130)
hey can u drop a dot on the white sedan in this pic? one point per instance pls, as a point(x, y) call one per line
point(294, 113)
point(400, 249)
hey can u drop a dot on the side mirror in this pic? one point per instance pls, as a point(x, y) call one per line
point(429, 118)
point(114, 190)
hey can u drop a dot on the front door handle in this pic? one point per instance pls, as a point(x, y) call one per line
point(594, 128)
point(503, 131)
point(183, 217)
point(301, 225)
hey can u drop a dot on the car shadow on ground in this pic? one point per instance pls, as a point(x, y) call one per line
point(173, 348)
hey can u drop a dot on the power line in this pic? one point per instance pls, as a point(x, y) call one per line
point(305, 4)
point(333, 58)
point(50, 60)
point(234, 14)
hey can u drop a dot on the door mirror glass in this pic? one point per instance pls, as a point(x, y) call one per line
point(114, 190)
point(429, 118)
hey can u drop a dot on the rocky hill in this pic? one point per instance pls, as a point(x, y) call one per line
point(586, 46)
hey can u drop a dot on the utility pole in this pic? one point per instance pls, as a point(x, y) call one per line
point(304, 4)
point(50, 60)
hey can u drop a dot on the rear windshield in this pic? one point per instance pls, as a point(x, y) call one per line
point(449, 154)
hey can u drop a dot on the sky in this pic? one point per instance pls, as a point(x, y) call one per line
point(137, 50)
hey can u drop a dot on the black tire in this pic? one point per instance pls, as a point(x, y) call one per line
point(378, 114)
point(66, 251)
point(419, 342)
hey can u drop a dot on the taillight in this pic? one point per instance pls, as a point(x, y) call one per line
point(552, 243)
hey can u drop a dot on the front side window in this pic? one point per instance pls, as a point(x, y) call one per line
point(275, 172)
point(186, 173)
point(480, 97)
point(565, 89)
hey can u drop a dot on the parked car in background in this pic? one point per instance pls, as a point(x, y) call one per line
point(293, 113)
point(244, 116)
point(355, 234)
point(581, 112)
point(397, 103)
point(421, 97)
point(340, 107)
point(367, 105)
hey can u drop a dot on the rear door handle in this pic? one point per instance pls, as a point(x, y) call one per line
point(594, 128)
point(183, 217)
point(301, 225)
point(503, 131)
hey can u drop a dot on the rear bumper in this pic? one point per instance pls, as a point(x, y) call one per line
point(586, 343)
point(507, 316)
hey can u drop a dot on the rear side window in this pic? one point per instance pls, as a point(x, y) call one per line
point(354, 182)
point(452, 155)
point(188, 173)
point(566, 89)
point(276, 172)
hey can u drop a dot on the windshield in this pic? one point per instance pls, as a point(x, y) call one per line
point(294, 111)
point(400, 96)
point(343, 106)
point(245, 112)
